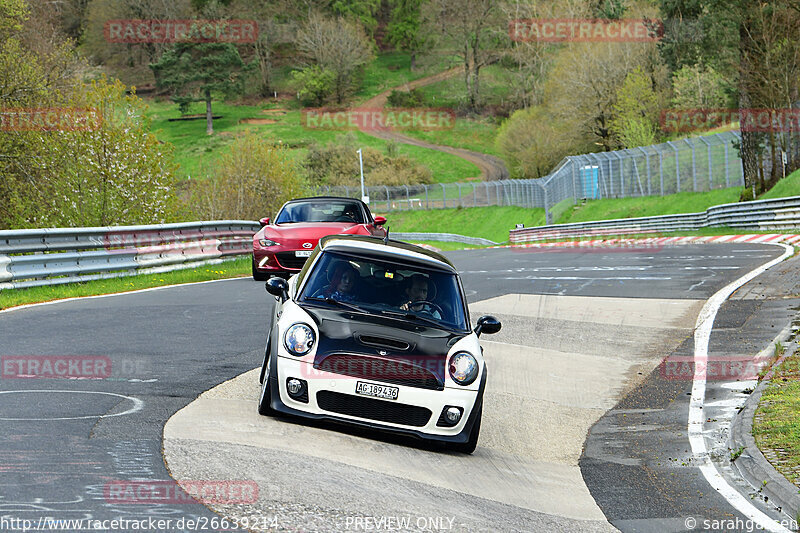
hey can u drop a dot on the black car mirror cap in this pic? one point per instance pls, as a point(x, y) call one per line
point(278, 287)
point(487, 324)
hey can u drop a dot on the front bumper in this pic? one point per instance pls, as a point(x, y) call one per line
point(267, 261)
point(283, 368)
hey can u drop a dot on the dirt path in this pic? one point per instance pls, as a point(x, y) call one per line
point(491, 167)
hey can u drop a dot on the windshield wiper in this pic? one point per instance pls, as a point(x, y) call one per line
point(340, 303)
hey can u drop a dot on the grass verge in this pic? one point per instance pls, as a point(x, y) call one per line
point(646, 206)
point(235, 268)
point(788, 186)
point(490, 223)
point(776, 426)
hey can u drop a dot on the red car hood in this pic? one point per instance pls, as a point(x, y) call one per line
point(293, 235)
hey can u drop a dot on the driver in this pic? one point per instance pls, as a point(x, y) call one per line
point(416, 292)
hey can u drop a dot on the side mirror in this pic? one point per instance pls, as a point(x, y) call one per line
point(487, 324)
point(264, 221)
point(380, 221)
point(278, 287)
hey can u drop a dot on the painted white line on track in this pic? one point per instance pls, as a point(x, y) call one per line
point(702, 335)
point(161, 287)
point(137, 404)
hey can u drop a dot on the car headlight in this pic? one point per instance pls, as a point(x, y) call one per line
point(266, 243)
point(299, 339)
point(463, 368)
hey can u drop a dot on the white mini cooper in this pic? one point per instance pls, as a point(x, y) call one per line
point(376, 332)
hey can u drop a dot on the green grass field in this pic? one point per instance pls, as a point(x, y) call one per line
point(476, 134)
point(393, 69)
point(238, 267)
point(788, 186)
point(490, 223)
point(684, 202)
point(776, 426)
point(195, 151)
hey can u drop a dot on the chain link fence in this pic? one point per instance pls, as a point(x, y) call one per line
point(695, 164)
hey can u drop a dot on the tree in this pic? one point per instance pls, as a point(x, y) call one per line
point(699, 87)
point(756, 44)
point(406, 28)
point(362, 11)
point(194, 71)
point(476, 31)
point(636, 110)
point(583, 84)
point(251, 179)
point(336, 45)
point(532, 143)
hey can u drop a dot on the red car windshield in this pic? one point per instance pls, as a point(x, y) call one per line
point(321, 212)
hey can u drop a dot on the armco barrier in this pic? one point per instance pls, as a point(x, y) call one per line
point(35, 257)
point(763, 215)
point(441, 237)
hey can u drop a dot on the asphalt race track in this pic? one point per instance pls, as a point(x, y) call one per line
point(583, 335)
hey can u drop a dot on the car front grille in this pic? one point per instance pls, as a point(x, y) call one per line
point(288, 260)
point(383, 411)
point(384, 370)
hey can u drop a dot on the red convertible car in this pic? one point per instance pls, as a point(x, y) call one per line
point(282, 247)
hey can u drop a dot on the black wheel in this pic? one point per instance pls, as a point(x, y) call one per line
point(472, 443)
point(258, 276)
point(264, 407)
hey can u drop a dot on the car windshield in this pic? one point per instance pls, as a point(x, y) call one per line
point(378, 286)
point(327, 211)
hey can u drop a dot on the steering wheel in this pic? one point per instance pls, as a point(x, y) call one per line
point(425, 303)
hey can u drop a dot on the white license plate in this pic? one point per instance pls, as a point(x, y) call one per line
point(303, 253)
point(378, 391)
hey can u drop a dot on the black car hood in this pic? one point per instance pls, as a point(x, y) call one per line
point(381, 337)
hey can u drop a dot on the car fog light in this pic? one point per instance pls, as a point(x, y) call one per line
point(450, 417)
point(453, 415)
point(294, 386)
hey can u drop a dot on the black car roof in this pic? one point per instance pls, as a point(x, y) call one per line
point(391, 243)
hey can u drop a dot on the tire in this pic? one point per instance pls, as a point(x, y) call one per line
point(264, 408)
point(258, 276)
point(469, 446)
point(266, 359)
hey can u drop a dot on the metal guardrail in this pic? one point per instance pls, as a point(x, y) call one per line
point(35, 257)
point(766, 215)
point(441, 237)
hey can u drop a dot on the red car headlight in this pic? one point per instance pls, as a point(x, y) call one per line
point(266, 243)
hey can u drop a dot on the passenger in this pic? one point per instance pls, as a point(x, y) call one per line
point(343, 284)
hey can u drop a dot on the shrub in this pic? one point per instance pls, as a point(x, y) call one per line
point(412, 98)
point(337, 164)
point(252, 179)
